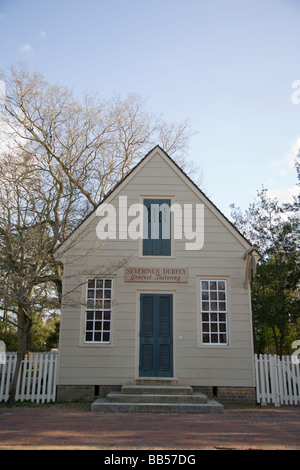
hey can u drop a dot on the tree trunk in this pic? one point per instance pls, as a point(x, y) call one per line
point(23, 343)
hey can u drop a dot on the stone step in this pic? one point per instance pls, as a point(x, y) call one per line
point(163, 381)
point(115, 397)
point(157, 389)
point(101, 405)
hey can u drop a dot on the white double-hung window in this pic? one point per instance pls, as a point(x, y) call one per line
point(214, 313)
point(98, 312)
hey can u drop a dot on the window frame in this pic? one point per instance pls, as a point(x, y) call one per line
point(213, 323)
point(101, 313)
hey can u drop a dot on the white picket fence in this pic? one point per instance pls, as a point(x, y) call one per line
point(37, 377)
point(277, 380)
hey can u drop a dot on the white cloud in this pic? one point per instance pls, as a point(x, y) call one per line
point(293, 153)
point(287, 163)
point(282, 181)
point(284, 195)
point(43, 34)
point(26, 49)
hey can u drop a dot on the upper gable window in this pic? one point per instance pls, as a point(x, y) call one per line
point(157, 227)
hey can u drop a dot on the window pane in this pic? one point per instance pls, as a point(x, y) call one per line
point(205, 338)
point(223, 339)
point(106, 315)
point(89, 315)
point(90, 294)
point(222, 317)
point(213, 296)
point(205, 316)
point(89, 336)
point(97, 337)
point(107, 294)
point(205, 295)
point(214, 338)
point(98, 315)
point(213, 317)
point(99, 293)
point(106, 337)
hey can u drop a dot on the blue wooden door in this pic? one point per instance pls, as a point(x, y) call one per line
point(156, 335)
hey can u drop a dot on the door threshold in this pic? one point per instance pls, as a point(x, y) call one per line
point(156, 381)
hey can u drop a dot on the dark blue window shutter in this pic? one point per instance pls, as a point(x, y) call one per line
point(157, 244)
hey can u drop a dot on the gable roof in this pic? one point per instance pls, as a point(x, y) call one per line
point(122, 183)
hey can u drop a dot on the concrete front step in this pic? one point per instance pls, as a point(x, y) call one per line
point(114, 397)
point(157, 390)
point(156, 399)
point(103, 406)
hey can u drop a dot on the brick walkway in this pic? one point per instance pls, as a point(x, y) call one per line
point(74, 426)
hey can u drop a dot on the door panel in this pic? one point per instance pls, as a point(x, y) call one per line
point(156, 335)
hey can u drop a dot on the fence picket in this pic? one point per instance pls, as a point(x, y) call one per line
point(45, 361)
point(36, 380)
point(28, 388)
point(50, 375)
point(10, 371)
point(277, 380)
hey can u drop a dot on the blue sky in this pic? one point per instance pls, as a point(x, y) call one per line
point(228, 65)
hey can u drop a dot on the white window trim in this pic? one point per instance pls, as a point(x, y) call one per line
point(82, 341)
point(200, 343)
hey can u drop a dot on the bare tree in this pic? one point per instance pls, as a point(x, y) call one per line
point(91, 143)
point(64, 155)
point(26, 260)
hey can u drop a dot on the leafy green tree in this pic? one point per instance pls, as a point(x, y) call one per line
point(274, 228)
